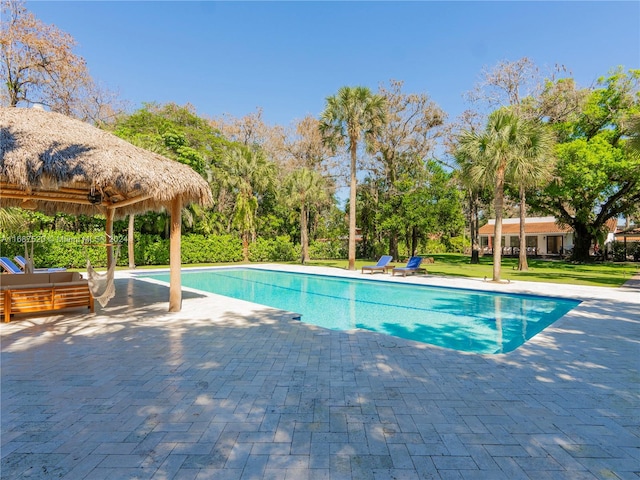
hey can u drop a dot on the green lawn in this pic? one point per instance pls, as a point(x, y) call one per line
point(607, 274)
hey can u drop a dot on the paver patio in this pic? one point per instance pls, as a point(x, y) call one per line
point(226, 389)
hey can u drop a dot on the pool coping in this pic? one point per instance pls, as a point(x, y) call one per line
point(135, 391)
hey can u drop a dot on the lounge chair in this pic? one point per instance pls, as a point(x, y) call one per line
point(413, 266)
point(9, 266)
point(22, 263)
point(380, 266)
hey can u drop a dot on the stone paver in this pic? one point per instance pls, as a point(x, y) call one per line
point(228, 389)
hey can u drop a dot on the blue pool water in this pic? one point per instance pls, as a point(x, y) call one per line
point(466, 320)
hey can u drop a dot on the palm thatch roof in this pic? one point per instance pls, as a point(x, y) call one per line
point(53, 163)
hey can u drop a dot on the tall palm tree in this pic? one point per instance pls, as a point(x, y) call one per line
point(350, 115)
point(532, 168)
point(250, 175)
point(305, 189)
point(493, 151)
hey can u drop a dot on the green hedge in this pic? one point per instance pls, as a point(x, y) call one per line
point(279, 249)
point(70, 249)
point(210, 249)
point(58, 248)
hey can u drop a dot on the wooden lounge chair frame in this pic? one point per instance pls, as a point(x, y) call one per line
point(41, 297)
point(381, 266)
point(405, 270)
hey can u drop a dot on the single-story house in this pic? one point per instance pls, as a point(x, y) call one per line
point(544, 236)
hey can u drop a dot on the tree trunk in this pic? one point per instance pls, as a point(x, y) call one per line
point(414, 241)
point(352, 207)
point(497, 232)
point(245, 246)
point(473, 227)
point(304, 235)
point(393, 244)
point(581, 243)
point(130, 244)
point(522, 262)
point(109, 235)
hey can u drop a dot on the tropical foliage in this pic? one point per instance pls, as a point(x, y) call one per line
point(545, 144)
point(597, 178)
point(511, 149)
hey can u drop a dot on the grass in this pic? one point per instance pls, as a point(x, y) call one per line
point(602, 274)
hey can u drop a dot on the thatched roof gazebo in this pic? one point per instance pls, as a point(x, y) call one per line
point(53, 163)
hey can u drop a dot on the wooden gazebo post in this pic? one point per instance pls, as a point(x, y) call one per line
point(54, 163)
point(175, 262)
point(109, 235)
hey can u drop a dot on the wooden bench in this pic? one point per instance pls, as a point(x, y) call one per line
point(40, 292)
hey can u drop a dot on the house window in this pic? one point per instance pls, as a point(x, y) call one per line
point(532, 241)
point(514, 241)
point(484, 241)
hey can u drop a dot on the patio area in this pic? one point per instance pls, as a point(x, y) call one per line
point(226, 389)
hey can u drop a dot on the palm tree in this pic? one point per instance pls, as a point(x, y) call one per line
point(305, 189)
point(351, 114)
point(250, 174)
point(532, 168)
point(12, 219)
point(493, 152)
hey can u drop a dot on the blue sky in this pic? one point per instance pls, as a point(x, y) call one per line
point(287, 57)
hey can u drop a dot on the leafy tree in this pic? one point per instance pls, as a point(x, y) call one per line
point(596, 178)
point(305, 190)
point(426, 206)
point(350, 115)
point(433, 209)
point(178, 133)
point(506, 139)
point(402, 144)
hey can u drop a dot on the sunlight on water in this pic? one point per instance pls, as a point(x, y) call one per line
point(466, 320)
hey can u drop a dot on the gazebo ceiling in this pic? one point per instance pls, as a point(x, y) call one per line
point(53, 163)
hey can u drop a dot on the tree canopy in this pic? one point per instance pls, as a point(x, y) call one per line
point(274, 181)
point(596, 178)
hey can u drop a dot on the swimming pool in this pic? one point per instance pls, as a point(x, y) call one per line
point(466, 320)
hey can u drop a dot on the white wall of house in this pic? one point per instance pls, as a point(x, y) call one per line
point(549, 243)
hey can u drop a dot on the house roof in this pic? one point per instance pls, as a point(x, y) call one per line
point(534, 226)
point(633, 232)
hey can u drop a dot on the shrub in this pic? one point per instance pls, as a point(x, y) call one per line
point(457, 244)
point(211, 249)
point(60, 248)
point(435, 246)
point(279, 249)
point(328, 250)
